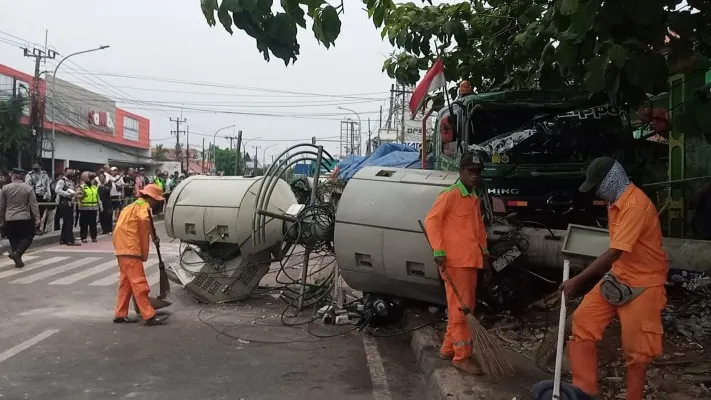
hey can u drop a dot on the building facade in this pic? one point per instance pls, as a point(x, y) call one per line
point(90, 130)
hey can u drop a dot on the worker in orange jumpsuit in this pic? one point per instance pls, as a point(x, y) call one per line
point(633, 271)
point(132, 242)
point(456, 231)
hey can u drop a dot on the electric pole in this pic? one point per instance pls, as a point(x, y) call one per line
point(203, 155)
point(390, 112)
point(37, 103)
point(369, 132)
point(402, 112)
point(256, 150)
point(239, 146)
point(232, 138)
point(177, 133)
point(187, 149)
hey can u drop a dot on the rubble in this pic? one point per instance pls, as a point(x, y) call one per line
point(682, 373)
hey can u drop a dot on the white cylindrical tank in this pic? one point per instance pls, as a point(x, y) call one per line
point(220, 209)
point(379, 245)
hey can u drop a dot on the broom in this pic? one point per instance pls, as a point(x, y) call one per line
point(487, 349)
point(163, 280)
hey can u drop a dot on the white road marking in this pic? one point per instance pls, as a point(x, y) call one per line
point(68, 280)
point(10, 262)
point(31, 266)
point(27, 344)
point(113, 278)
point(55, 271)
point(381, 391)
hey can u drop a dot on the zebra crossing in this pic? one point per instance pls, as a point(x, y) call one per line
point(93, 271)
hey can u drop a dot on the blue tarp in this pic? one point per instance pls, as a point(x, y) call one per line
point(386, 155)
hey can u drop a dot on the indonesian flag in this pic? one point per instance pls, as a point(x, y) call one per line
point(433, 80)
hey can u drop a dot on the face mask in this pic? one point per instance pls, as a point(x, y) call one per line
point(36, 169)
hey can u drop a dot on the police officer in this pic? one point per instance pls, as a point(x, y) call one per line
point(19, 215)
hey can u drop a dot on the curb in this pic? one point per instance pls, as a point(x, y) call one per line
point(443, 380)
point(39, 241)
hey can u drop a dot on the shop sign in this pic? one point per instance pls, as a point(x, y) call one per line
point(101, 119)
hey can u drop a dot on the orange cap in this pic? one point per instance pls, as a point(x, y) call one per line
point(153, 191)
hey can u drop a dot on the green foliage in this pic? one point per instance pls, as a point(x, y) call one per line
point(225, 161)
point(13, 136)
point(619, 47)
point(613, 47)
point(275, 31)
point(159, 153)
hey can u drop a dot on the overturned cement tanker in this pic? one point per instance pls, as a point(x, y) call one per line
point(381, 249)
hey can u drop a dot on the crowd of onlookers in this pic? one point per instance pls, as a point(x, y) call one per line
point(89, 199)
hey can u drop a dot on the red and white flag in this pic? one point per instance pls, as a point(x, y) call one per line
point(433, 80)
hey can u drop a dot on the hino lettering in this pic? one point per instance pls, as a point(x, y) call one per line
point(503, 192)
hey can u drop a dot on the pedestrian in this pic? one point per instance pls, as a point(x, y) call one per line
point(116, 191)
point(106, 209)
point(633, 270)
point(456, 231)
point(19, 215)
point(66, 196)
point(58, 214)
point(140, 180)
point(41, 183)
point(88, 207)
point(132, 240)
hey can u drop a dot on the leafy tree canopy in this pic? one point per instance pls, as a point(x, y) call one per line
point(13, 136)
point(625, 48)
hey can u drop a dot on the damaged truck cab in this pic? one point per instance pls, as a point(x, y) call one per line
point(536, 146)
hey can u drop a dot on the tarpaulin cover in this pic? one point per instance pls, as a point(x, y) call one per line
point(386, 155)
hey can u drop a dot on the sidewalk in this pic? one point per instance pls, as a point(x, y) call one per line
point(50, 238)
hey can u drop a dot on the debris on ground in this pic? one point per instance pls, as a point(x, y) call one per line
point(682, 373)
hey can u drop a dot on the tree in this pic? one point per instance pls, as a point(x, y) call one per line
point(623, 48)
point(159, 153)
point(225, 161)
point(13, 136)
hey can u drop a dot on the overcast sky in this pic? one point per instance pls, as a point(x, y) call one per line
point(171, 40)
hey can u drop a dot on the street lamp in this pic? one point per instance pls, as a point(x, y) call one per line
point(264, 153)
point(360, 125)
point(54, 97)
point(244, 151)
point(214, 145)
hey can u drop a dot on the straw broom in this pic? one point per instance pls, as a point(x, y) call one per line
point(492, 358)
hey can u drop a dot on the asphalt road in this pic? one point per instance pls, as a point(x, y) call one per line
point(57, 342)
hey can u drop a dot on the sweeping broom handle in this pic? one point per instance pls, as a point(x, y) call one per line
point(561, 336)
point(462, 304)
point(155, 236)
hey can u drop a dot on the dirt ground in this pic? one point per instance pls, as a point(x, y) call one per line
point(682, 373)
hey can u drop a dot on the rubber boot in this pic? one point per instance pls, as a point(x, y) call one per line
point(636, 378)
point(582, 355)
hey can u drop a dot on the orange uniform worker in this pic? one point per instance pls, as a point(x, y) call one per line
point(456, 231)
point(132, 242)
point(635, 269)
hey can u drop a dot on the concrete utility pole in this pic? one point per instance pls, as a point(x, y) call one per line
point(187, 149)
point(370, 133)
point(239, 146)
point(402, 115)
point(36, 103)
point(177, 133)
point(390, 112)
point(256, 150)
point(203, 155)
point(54, 100)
